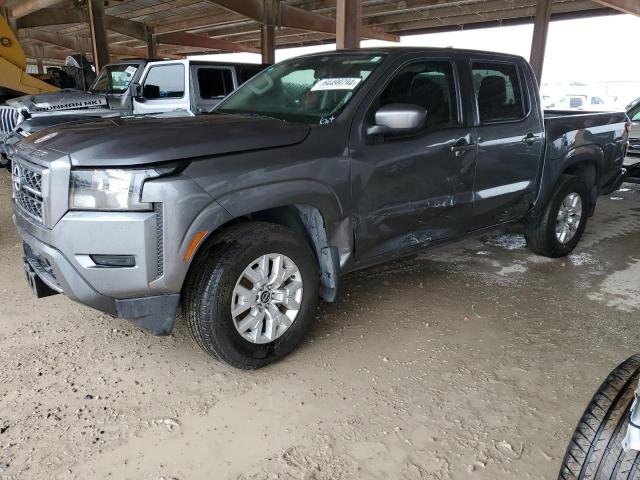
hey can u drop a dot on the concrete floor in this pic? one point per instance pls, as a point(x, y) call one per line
point(470, 362)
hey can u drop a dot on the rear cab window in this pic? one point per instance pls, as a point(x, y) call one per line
point(499, 92)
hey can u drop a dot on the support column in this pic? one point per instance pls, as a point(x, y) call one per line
point(40, 54)
point(152, 44)
point(539, 41)
point(98, 27)
point(10, 20)
point(268, 44)
point(348, 18)
point(268, 30)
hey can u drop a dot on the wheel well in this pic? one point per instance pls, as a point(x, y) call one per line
point(586, 170)
point(310, 224)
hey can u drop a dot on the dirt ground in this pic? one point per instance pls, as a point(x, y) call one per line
point(470, 362)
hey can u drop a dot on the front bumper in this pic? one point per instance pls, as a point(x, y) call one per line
point(154, 313)
point(60, 245)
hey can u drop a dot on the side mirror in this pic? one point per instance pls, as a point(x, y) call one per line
point(136, 91)
point(398, 119)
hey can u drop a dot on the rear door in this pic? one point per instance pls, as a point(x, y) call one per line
point(210, 85)
point(510, 140)
point(413, 190)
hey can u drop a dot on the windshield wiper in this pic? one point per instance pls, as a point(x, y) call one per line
point(253, 114)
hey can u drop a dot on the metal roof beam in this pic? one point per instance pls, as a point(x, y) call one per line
point(26, 7)
point(137, 30)
point(294, 17)
point(51, 16)
point(80, 44)
point(627, 6)
point(202, 41)
point(479, 17)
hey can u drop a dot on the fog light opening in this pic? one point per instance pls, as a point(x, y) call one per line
point(114, 261)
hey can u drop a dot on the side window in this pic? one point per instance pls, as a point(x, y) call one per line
point(596, 101)
point(429, 84)
point(498, 91)
point(214, 82)
point(164, 81)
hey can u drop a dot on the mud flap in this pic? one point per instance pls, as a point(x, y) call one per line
point(156, 315)
point(39, 288)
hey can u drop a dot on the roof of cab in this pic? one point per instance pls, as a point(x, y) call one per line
point(397, 51)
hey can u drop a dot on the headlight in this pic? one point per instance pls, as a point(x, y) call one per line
point(109, 189)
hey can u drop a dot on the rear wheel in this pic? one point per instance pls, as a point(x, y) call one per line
point(564, 219)
point(595, 451)
point(251, 296)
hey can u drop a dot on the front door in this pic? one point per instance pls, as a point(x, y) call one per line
point(164, 89)
point(510, 142)
point(414, 190)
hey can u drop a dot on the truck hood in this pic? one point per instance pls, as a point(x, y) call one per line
point(131, 141)
point(40, 121)
point(57, 101)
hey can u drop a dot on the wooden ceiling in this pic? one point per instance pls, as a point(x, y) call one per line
point(52, 29)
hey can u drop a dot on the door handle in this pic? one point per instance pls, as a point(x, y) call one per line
point(530, 139)
point(459, 150)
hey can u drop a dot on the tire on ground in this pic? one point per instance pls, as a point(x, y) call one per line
point(542, 239)
point(595, 450)
point(208, 291)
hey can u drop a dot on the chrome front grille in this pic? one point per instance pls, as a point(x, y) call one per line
point(8, 120)
point(27, 189)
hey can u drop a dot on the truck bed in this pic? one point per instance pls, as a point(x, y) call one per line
point(559, 122)
point(596, 134)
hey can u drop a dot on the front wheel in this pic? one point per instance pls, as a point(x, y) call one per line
point(251, 295)
point(563, 221)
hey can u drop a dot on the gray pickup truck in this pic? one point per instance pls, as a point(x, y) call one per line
point(316, 167)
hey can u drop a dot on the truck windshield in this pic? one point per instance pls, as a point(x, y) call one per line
point(309, 90)
point(114, 78)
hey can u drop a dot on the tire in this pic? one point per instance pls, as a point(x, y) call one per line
point(543, 239)
point(211, 288)
point(595, 450)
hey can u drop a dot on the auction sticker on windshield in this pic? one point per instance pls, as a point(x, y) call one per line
point(336, 84)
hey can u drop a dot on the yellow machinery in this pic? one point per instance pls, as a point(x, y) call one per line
point(13, 65)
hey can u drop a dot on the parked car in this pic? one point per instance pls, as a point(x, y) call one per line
point(592, 103)
point(130, 87)
point(318, 166)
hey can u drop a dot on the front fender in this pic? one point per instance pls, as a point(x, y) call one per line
point(280, 194)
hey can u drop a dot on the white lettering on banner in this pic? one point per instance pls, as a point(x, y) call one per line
point(47, 107)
